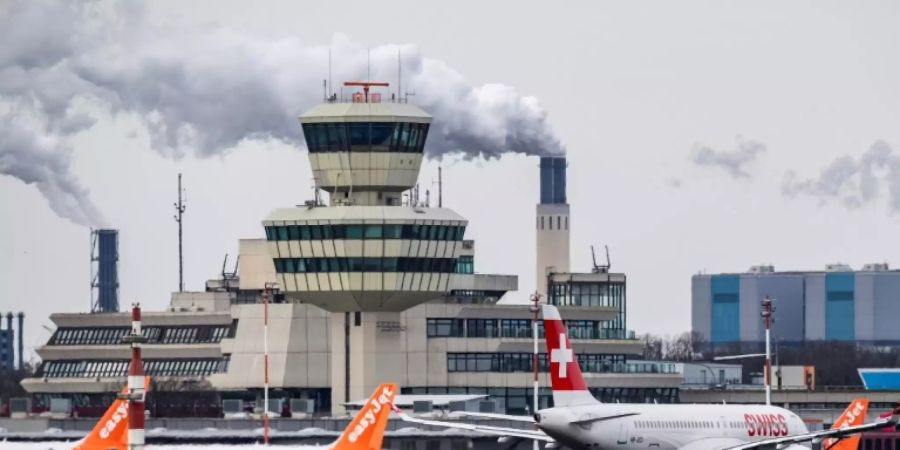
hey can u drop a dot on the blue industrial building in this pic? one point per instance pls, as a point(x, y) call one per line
point(835, 304)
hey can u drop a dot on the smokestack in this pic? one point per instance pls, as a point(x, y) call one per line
point(21, 317)
point(553, 180)
point(552, 222)
point(105, 265)
point(9, 329)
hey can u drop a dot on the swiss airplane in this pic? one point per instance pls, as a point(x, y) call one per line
point(579, 421)
point(365, 431)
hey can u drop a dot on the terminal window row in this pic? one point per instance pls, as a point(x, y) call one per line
point(119, 368)
point(516, 328)
point(200, 334)
point(366, 231)
point(608, 294)
point(320, 265)
point(597, 293)
point(395, 137)
point(524, 362)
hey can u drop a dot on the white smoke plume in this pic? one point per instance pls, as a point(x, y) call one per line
point(853, 182)
point(734, 162)
point(202, 91)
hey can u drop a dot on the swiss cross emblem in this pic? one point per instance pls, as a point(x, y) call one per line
point(562, 356)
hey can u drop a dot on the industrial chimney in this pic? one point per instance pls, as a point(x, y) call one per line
point(9, 334)
point(552, 222)
point(21, 317)
point(104, 271)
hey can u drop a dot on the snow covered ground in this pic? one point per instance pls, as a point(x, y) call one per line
point(68, 446)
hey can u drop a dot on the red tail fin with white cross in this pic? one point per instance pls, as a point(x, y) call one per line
point(569, 388)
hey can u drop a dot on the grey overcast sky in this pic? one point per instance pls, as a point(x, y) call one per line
point(701, 136)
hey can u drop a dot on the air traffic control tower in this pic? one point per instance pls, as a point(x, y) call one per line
point(368, 255)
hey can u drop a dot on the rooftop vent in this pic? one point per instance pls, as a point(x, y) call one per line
point(838, 267)
point(876, 267)
point(762, 269)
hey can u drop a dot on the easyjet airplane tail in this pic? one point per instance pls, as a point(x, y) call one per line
point(569, 388)
point(366, 430)
point(111, 431)
point(855, 414)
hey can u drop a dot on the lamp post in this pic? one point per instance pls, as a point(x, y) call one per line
point(767, 310)
point(535, 308)
point(767, 313)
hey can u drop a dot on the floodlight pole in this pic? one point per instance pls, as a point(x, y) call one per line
point(767, 310)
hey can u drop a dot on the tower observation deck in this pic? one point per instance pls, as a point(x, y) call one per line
point(366, 251)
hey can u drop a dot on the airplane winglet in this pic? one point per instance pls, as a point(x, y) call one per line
point(111, 431)
point(366, 430)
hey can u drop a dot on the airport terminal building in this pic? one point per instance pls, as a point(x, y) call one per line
point(375, 286)
point(837, 303)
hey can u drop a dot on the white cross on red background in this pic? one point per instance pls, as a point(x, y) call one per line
point(562, 356)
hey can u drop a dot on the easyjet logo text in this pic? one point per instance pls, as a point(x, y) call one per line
point(847, 420)
point(851, 415)
point(766, 425)
point(118, 415)
point(376, 404)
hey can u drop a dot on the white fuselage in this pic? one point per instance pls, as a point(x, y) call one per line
point(664, 427)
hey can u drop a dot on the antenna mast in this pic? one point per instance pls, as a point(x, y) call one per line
point(329, 72)
point(440, 189)
point(598, 268)
point(179, 212)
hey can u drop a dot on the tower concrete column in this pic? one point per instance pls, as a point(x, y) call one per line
point(552, 222)
point(369, 350)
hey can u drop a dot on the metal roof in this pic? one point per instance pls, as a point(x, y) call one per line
point(365, 112)
point(361, 213)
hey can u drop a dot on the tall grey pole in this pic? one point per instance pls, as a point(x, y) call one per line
point(179, 212)
point(21, 317)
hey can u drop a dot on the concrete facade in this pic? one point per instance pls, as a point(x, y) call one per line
point(552, 229)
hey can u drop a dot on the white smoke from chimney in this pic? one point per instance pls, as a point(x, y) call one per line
point(204, 90)
point(852, 182)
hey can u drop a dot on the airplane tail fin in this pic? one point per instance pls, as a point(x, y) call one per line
point(111, 431)
point(855, 414)
point(366, 430)
point(569, 388)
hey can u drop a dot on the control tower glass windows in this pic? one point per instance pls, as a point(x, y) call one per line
point(465, 264)
point(368, 231)
point(323, 265)
point(396, 137)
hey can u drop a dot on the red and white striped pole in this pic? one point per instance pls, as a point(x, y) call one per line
point(767, 310)
point(265, 297)
point(136, 388)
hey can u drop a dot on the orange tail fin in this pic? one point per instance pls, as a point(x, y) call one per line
point(855, 414)
point(366, 430)
point(111, 431)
